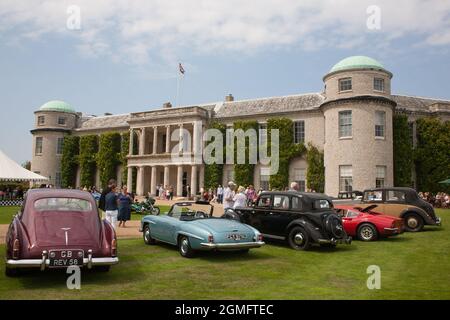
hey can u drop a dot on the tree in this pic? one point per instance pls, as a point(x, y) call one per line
point(403, 151)
point(87, 159)
point(69, 161)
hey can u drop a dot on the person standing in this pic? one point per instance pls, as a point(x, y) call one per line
point(111, 206)
point(220, 194)
point(102, 201)
point(240, 199)
point(251, 194)
point(228, 196)
point(125, 202)
point(294, 186)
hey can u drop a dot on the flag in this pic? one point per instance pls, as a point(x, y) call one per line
point(181, 68)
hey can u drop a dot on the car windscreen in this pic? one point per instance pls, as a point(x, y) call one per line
point(322, 204)
point(63, 204)
point(189, 209)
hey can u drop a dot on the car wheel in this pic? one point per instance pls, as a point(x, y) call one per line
point(299, 239)
point(156, 211)
point(185, 247)
point(9, 272)
point(367, 232)
point(147, 236)
point(102, 268)
point(413, 222)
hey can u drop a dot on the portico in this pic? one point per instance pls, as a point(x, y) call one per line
point(169, 151)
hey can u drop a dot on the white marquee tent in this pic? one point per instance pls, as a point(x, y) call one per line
point(11, 171)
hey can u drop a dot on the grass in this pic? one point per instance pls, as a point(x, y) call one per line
point(413, 266)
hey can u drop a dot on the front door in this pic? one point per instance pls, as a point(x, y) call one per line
point(279, 216)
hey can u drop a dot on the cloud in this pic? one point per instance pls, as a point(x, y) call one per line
point(142, 32)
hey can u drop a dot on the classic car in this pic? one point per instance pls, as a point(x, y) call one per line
point(403, 203)
point(191, 226)
point(58, 229)
point(367, 224)
point(301, 218)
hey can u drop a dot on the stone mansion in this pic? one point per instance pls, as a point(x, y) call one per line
point(351, 121)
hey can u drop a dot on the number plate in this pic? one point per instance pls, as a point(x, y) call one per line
point(236, 237)
point(65, 258)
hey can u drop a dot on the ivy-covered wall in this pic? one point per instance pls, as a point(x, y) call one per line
point(214, 171)
point(87, 160)
point(287, 150)
point(243, 173)
point(403, 151)
point(124, 151)
point(315, 175)
point(108, 156)
point(69, 161)
point(432, 154)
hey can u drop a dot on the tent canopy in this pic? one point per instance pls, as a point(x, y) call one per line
point(12, 171)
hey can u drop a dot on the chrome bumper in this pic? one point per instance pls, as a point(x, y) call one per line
point(392, 230)
point(233, 246)
point(334, 241)
point(45, 263)
point(438, 221)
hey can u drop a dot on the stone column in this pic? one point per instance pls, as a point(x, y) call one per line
point(131, 142)
point(180, 140)
point(166, 176)
point(140, 181)
point(168, 139)
point(197, 142)
point(194, 180)
point(142, 141)
point(180, 181)
point(153, 181)
point(155, 139)
point(201, 178)
point(130, 179)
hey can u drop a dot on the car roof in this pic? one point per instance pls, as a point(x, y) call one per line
point(59, 193)
point(312, 195)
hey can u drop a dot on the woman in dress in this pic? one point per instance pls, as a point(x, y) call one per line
point(125, 202)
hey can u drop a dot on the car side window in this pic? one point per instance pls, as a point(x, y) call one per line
point(351, 214)
point(281, 202)
point(296, 203)
point(373, 196)
point(395, 196)
point(264, 201)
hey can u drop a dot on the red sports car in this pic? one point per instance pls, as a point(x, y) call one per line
point(368, 225)
point(58, 229)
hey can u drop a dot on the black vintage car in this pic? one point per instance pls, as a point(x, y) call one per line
point(300, 218)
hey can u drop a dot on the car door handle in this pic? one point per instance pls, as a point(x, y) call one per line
point(271, 213)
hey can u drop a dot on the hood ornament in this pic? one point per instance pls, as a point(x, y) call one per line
point(66, 234)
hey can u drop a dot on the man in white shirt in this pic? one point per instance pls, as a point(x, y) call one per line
point(228, 195)
point(220, 194)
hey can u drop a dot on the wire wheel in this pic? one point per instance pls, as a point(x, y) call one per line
point(367, 232)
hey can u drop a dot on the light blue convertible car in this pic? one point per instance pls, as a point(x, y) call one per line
point(191, 226)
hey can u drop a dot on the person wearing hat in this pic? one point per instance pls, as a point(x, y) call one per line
point(228, 195)
point(240, 199)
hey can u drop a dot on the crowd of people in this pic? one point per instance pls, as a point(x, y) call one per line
point(438, 200)
point(8, 193)
point(116, 203)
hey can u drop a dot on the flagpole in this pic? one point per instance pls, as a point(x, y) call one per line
point(178, 90)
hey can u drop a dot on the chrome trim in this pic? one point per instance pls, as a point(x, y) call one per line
point(272, 236)
point(392, 229)
point(89, 259)
point(187, 234)
point(44, 259)
point(35, 263)
point(242, 245)
point(438, 221)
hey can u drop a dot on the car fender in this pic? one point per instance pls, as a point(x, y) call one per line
point(308, 226)
point(16, 231)
point(419, 211)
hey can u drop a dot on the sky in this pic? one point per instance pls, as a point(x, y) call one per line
point(122, 56)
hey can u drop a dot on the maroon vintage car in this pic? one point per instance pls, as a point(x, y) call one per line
point(57, 229)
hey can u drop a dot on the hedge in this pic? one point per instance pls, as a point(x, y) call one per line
point(108, 156)
point(214, 171)
point(87, 160)
point(403, 151)
point(69, 161)
point(315, 175)
point(432, 154)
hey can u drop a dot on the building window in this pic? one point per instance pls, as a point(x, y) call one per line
point(299, 131)
point(345, 124)
point(39, 142)
point(380, 121)
point(262, 134)
point(264, 179)
point(300, 178)
point(345, 84)
point(41, 120)
point(61, 121)
point(345, 179)
point(378, 84)
point(58, 180)
point(380, 176)
point(59, 146)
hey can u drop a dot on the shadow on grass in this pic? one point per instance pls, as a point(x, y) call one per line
point(314, 248)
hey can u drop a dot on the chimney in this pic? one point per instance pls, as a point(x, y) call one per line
point(229, 98)
point(167, 105)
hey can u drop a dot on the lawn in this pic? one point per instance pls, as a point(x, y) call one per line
point(413, 266)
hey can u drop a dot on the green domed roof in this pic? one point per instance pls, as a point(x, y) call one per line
point(357, 62)
point(57, 105)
